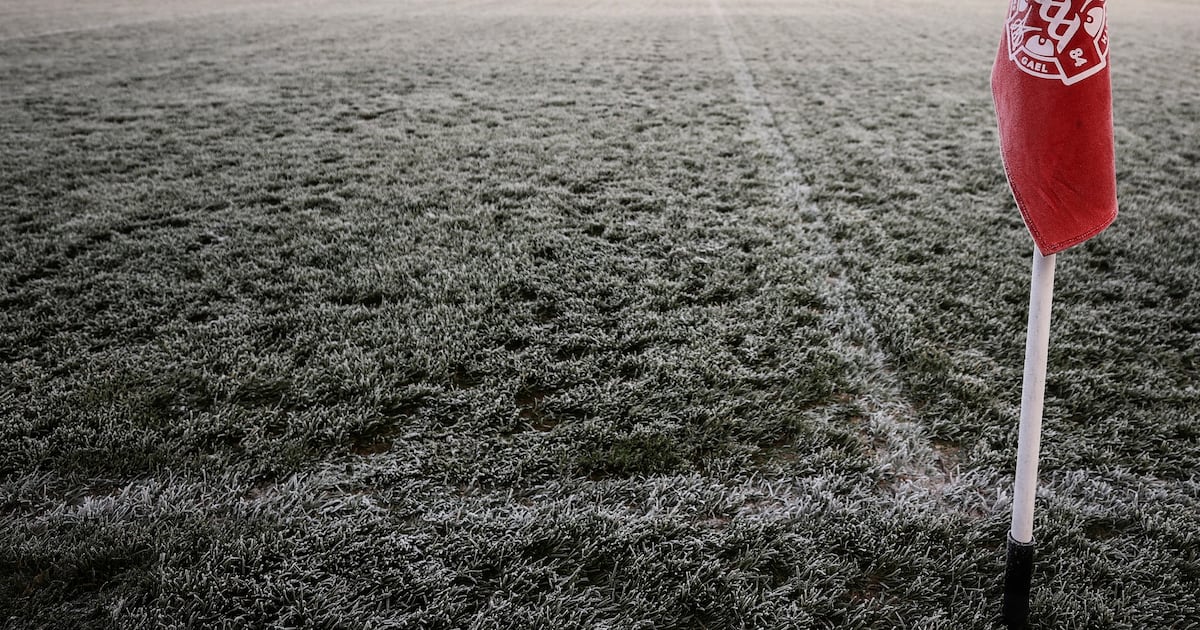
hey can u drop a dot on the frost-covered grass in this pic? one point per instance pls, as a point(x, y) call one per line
point(574, 314)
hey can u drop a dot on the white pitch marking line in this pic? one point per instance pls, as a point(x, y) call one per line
point(908, 453)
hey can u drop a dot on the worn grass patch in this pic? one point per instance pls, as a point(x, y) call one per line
point(445, 315)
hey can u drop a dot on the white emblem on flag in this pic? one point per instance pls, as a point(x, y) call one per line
point(1058, 39)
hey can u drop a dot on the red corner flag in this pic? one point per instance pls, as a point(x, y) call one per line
point(1054, 107)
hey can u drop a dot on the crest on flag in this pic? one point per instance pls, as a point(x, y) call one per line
point(1058, 39)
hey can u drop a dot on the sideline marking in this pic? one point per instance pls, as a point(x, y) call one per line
point(907, 454)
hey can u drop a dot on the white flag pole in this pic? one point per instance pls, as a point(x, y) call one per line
point(1019, 566)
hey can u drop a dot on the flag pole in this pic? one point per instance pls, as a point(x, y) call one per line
point(1018, 571)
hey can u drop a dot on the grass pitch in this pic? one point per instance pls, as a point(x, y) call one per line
point(572, 314)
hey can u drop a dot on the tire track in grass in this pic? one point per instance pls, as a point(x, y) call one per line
point(905, 456)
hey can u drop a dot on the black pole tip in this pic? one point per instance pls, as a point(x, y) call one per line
point(1018, 575)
